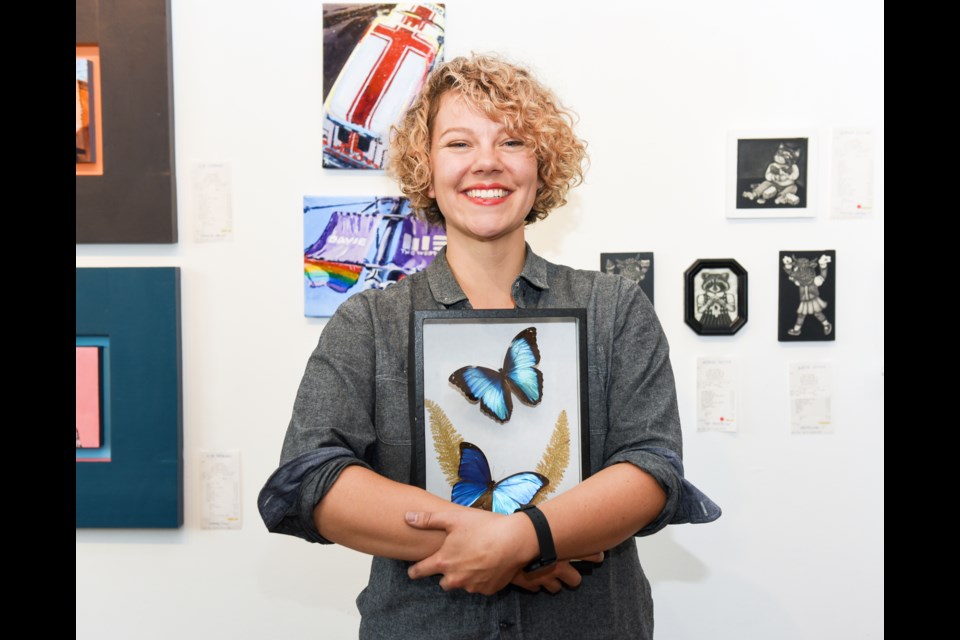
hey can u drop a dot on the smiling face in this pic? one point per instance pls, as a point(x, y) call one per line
point(484, 180)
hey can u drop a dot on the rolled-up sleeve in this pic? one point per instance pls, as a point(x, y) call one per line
point(643, 418)
point(332, 426)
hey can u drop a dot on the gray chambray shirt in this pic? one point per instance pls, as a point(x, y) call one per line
point(352, 408)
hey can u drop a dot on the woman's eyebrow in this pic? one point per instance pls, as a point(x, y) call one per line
point(454, 130)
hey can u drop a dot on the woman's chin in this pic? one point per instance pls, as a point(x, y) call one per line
point(487, 232)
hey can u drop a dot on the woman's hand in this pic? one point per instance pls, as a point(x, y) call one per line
point(482, 552)
point(555, 577)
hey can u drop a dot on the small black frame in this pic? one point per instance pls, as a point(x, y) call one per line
point(715, 296)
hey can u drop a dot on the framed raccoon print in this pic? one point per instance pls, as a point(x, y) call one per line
point(715, 297)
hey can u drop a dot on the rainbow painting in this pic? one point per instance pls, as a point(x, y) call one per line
point(339, 276)
point(352, 244)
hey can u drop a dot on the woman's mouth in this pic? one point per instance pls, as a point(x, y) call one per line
point(486, 194)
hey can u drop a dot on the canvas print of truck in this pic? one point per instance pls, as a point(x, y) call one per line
point(380, 55)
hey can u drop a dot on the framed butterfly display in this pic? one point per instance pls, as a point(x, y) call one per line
point(499, 404)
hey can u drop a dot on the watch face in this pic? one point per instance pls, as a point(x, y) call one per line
point(536, 565)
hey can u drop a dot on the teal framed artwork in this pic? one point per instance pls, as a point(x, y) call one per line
point(129, 398)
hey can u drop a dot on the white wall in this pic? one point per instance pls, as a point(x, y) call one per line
point(798, 552)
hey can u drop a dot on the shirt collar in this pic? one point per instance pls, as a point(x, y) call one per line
point(535, 270)
point(443, 285)
point(446, 290)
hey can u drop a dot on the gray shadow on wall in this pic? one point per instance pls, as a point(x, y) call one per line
point(292, 570)
point(664, 559)
point(739, 605)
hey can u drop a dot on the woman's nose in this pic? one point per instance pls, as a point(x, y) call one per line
point(486, 159)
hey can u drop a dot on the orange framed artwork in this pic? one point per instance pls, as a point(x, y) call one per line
point(89, 110)
point(126, 177)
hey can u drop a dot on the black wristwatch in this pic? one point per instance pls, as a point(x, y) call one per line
point(548, 553)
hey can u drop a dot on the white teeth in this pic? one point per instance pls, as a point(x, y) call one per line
point(487, 193)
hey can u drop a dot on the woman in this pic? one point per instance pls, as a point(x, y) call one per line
point(486, 150)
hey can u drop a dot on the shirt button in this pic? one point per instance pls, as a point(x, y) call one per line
point(505, 625)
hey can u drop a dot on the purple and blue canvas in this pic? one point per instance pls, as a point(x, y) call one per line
point(354, 244)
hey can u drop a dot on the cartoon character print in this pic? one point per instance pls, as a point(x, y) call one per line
point(633, 268)
point(803, 273)
point(716, 303)
point(780, 178)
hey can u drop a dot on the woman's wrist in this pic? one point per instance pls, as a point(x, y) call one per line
point(525, 539)
point(547, 554)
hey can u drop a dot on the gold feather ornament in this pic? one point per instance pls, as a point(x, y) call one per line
point(446, 443)
point(555, 458)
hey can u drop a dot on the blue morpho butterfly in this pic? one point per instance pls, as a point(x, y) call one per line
point(477, 489)
point(519, 377)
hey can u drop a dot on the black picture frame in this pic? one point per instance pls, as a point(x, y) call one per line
point(807, 300)
point(717, 307)
point(134, 200)
point(534, 437)
point(636, 266)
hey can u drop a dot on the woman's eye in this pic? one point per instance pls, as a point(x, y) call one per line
point(457, 145)
point(515, 143)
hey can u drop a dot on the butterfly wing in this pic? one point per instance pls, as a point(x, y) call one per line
point(519, 367)
point(476, 488)
point(486, 386)
point(514, 491)
point(474, 475)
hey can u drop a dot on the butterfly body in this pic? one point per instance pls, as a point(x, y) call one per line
point(518, 376)
point(477, 489)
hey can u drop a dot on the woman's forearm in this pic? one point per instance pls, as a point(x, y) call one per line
point(365, 512)
point(603, 510)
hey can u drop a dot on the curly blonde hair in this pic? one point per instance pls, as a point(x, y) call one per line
point(508, 94)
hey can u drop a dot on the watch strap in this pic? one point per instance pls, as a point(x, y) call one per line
point(548, 552)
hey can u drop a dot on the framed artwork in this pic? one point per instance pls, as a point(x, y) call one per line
point(92, 397)
point(499, 402)
point(88, 106)
point(807, 303)
point(129, 401)
point(770, 175)
point(128, 193)
point(375, 60)
point(715, 297)
point(635, 266)
point(354, 244)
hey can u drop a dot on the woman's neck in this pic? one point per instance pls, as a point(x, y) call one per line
point(486, 271)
